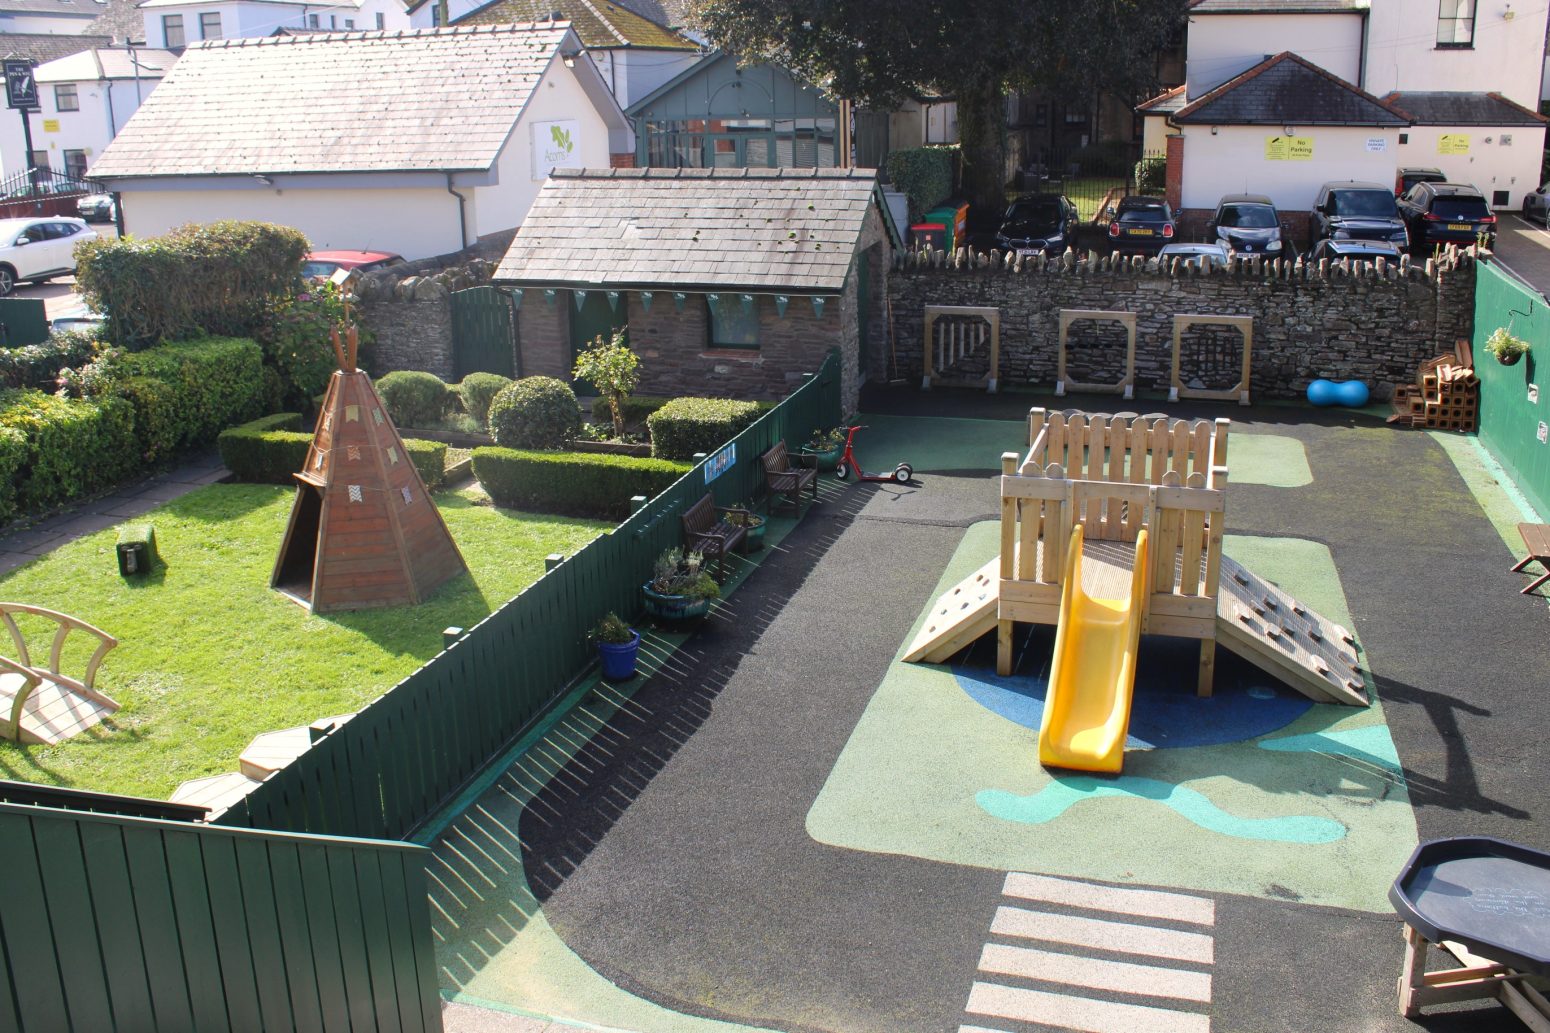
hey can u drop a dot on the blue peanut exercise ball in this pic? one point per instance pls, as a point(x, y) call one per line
point(1322, 392)
point(1351, 393)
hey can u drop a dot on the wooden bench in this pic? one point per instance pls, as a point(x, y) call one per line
point(1536, 538)
point(41, 704)
point(707, 531)
point(785, 480)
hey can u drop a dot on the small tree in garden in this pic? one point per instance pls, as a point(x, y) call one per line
point(614, 369)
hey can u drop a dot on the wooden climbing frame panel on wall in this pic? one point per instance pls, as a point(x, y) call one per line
point(1240, 391)
point(958, 332)
point(1126, 385)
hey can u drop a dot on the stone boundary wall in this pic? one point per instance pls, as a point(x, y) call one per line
point(1310, 321)
point(410, 316)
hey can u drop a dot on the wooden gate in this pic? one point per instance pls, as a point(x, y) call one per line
point(484, 336)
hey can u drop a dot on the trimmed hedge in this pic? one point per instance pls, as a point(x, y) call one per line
point(415, 399)
point(38, 365)
point(685, 426)
point(186, 393)
point(573, 483)
point(925, 174)
point(272, 448)
point(478, 390)
point(636, 409)
point(70, 446)
point(535, 412)
point(13, 453)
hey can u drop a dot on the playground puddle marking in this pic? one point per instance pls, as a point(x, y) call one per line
point(1104, 993)
point(1310, 806)
point(1270, 459)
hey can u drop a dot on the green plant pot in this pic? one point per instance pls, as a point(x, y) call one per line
point(674, 607)
point(825, 461)
point(753, 541)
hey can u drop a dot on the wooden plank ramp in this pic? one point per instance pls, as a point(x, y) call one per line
point(1279, 635)
point(961, 615)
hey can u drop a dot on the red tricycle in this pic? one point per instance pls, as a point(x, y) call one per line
point(848, 464)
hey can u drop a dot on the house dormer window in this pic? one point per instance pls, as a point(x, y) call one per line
point(1455, 24)
point(210, 25)
point(172, 31)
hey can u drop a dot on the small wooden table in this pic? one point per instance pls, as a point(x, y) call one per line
point(1536, 538)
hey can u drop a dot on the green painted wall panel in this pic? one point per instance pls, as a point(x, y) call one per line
point(1509, 421)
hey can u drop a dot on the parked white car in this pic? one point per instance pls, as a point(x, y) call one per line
point(37, 249)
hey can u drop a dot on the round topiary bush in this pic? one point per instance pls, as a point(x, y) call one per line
point(535, 412)
point(478, 390)
point(413, 399)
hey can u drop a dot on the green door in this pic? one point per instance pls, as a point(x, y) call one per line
point(593, 319)
point(483, 335)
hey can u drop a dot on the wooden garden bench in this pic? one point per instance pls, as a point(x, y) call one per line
point(1536, 539)
point(42, 704)
point(786, 480)
point(707, 531)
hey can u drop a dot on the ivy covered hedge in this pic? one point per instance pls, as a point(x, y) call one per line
point(217, 279)
point(573, 483)
point(925, 174)
point(69, 447)
point(685, 426)
point(38, 365)
point(270, 449)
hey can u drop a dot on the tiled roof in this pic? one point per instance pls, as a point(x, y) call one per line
point(108, 63)
point(1463, 109)
point(1288, 90)
point(733, 229)
point(1276, 6)
point(663, 12)
point(43, 47)
point(601, 24)
point(433, 99)
point(120, 19)
point(89, 9)
point(1165, 103)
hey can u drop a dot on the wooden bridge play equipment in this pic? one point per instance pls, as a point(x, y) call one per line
point(42, 704)
point(363, 531)
point(1113, 477)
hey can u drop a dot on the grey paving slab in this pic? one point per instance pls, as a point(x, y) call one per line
point(127, 508)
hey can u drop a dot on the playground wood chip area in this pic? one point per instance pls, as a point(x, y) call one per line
point(787, 826)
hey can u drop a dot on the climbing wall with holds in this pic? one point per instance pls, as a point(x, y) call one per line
point(1275, 632)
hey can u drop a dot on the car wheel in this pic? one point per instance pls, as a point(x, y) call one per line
point(7, 280)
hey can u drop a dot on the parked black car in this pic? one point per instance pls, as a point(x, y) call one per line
point(1409, 177)
point(1446, 213)
point(1141, 225)
point(1356, 211)
point(1366, 252)
point(1537, 205)
point(1249, 224)
point(1038, 222)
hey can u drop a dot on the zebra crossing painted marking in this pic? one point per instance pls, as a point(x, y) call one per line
point(1088, 991)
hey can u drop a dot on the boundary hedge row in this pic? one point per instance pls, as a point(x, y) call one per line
point(573, 483)
point(270, 449)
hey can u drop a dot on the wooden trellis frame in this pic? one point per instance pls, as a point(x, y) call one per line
point(1240, 391)
point(939, 355)
point(1126, 385)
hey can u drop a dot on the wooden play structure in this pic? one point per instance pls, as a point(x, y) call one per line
point(1106, 479)
point(1239, 392)
point(42, 704)
point(1445, 395)
point(958, 332)
point(363, 530)
point(1126, 385)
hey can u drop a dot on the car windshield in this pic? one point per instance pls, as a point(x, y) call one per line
point(1472, 209)
point(1248, 216)
point(1151, 213)
point(1374, 203)
point(1040, 212)
point(318, 270)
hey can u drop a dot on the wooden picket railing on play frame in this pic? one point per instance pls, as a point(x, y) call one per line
point(1116, 475)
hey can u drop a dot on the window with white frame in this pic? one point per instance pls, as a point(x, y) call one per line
point(210, 25)
point(172, 31)
point(65, 97)
point(1455, 23)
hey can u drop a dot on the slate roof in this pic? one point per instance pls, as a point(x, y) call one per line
point(601, 24)
point(1288, 90)
point(424, 100)
point(1276, 6)
point(120, 19)
point(102, 63)
point(1165, 103)
point(43, 47)
point(1463, 109)
point(734, 229)
point(663, 12)
point(63, 8)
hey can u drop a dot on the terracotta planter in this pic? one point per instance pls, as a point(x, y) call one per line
point(674, 607)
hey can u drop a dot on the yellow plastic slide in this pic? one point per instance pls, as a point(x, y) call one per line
point(1087, 708)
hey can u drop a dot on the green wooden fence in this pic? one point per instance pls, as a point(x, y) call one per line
point(1509, 417)
point(390, 766)
point(484, 339)
point(130, 924)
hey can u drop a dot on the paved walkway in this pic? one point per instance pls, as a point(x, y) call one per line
point(129, 501)
point(1524, 249)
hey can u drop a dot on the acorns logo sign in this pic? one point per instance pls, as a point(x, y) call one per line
point(555, 146)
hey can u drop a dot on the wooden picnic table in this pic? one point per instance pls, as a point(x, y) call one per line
point(1536, 538)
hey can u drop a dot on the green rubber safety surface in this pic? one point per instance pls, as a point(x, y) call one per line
point(1315, 810)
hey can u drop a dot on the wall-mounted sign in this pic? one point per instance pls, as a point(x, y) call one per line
point(556, 145)
point(1377, 144)
point(1288, 148)
point(1544, 432)
point(21, 89)
point(1453, 143)
point(51, 125)
point(720, 462)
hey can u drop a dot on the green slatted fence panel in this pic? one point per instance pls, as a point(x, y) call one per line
point(379, 951)
point(400, 942)
point(147, 856)
point(295, 938)
point(28, 935)
point(352, 939)
point(256, 875)
point(10, 1017)
point(327, 954)
point(113, 897)
point(196, 934)
point(229, 920)
point(75, 929)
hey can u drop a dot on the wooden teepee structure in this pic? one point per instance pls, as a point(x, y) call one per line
point(363, 530)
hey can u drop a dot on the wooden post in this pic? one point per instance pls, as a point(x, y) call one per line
point(1207, 667)
point(1008, 564)
point(1413, 976)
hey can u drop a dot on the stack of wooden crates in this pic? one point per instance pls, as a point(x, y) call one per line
point(1445, 396)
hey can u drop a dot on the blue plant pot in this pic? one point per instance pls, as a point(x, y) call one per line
point(674, 607)
point(619, 658)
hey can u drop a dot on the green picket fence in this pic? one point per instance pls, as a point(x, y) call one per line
point(123, 923)
point(384, 771)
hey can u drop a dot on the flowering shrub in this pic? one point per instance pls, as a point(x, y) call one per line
point(294, 336)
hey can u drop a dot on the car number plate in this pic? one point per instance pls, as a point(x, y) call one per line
point(1028, 252)
point(1142, 233)
point(1463, 226)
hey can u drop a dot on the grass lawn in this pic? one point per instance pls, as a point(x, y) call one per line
point(208, 656)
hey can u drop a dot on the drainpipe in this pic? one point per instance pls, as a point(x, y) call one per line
point(1361, 53)
point(462, 208)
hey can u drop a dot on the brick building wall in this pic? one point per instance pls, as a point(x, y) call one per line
point(1308, 322)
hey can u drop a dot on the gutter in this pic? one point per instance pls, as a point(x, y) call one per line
point(462, 210)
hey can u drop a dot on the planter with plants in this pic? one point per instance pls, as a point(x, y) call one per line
point(680, 588)
point(824, 448)
point(753, 541)
point(1507, 348)
point(618, 645)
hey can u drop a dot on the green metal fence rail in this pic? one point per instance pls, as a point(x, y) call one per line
point(1509, 418)
point(99, 803)
point(390, 766)
point(129, 924)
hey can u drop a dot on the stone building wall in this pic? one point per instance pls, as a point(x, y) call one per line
point(410, 316)
point(1309, 321)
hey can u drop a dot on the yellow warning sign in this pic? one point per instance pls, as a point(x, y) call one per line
point(1453, 143)
point(1288, 148)
point(51, 125)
